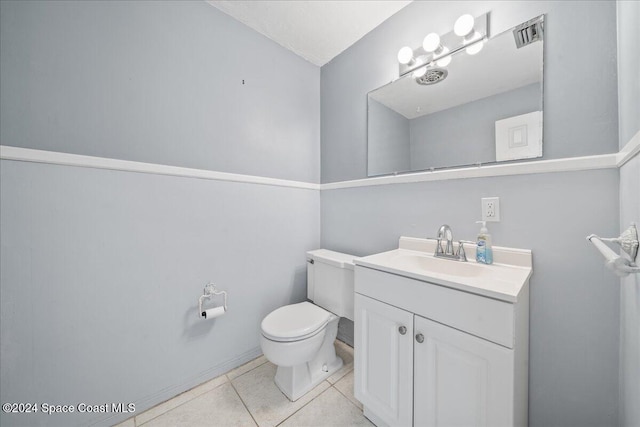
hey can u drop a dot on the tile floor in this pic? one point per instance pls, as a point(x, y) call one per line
point(247, 396)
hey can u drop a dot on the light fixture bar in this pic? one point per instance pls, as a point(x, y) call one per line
point(450, 40)
point(431, 59)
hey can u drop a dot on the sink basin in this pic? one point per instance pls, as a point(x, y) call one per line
point(414, 259)
point(430, 264)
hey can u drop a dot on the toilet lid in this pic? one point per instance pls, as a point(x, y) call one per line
point(294, 322)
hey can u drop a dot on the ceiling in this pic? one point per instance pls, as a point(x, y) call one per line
point(316, 30)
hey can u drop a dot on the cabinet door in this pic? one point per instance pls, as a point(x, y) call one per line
point(384, 360)
point(460, 379)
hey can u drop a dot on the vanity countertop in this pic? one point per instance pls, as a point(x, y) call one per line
point(503, 280)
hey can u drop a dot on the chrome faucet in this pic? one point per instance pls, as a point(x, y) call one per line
point(444, 233)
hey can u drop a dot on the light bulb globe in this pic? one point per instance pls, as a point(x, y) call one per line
point(405, 55)
point(473, 49)
point(431, 42)
point(444, 62)
point(464, 25)
point(420, 72)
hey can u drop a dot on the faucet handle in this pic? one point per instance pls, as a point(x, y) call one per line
point(438, 240)
point(462, 256)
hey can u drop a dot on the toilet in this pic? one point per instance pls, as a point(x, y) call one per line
point(298, 338)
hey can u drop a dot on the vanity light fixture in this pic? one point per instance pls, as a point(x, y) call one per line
point(437, 51)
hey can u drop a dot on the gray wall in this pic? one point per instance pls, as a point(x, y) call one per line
point(580, 106)
point(574, 330)
point(388, 140)
point(101, 273)
point(101, 270)
point(466, 135)
point(629, 94)
point(628, 69)
point(630, 303)
point(158, 82)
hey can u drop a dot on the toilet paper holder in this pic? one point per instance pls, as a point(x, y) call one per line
point(210, 290)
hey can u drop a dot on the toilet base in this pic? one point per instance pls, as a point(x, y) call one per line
point(296, 381)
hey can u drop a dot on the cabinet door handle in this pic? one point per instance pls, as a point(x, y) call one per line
point(420, 338)
point(402, 330)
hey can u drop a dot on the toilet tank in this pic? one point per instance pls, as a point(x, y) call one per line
point(330, 281)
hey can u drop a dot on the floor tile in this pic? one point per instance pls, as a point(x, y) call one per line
point(218, 407)
point(180, 399)
point(331, 408)
point(264, 400)
point(346, 353)
point(345, 386)
point(246, 367)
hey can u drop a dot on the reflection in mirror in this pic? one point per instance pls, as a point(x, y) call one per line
point(479, 109)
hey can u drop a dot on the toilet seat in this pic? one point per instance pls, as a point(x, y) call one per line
point(294, 322)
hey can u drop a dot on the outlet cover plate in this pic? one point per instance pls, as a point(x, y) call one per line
point(491, 209)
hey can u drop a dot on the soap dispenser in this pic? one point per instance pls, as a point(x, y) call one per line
point(484, 251)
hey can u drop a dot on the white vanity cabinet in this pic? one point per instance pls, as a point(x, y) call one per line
point(429, 354)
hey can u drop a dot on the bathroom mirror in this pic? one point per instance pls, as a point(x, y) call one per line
point(479, 109)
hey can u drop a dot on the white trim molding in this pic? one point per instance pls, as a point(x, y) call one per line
point(66, 159)
point(630, 150)
point(603, 161)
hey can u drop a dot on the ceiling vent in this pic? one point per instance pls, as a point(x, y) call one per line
point(432, 76)
point(529, 32)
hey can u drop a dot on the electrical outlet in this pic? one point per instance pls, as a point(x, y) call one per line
point(491, 209)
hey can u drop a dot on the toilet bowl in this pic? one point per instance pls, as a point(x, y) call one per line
point(299, 338)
